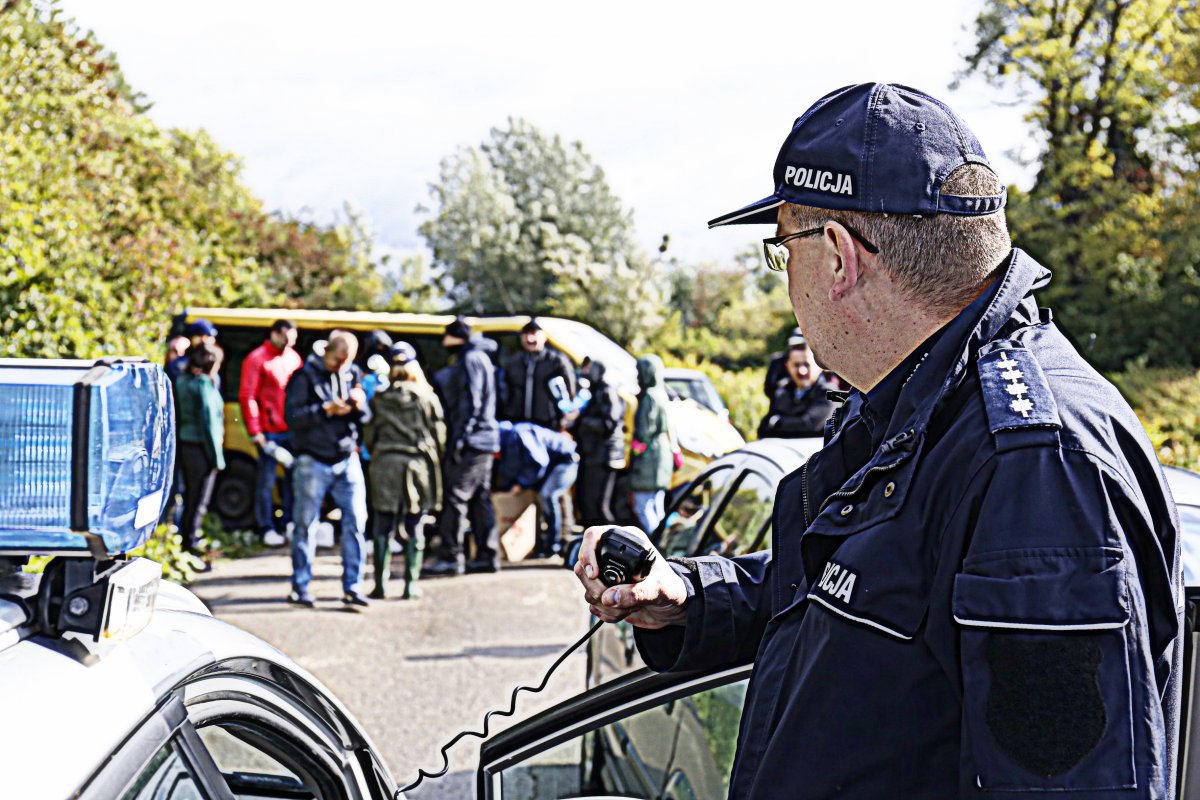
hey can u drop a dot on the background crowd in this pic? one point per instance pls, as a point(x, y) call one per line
point(397, 453)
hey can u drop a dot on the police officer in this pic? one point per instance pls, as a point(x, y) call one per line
point(974, 588)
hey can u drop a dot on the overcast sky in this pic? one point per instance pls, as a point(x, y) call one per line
point(684, 105)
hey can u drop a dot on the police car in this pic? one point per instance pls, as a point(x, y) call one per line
point(114, 683)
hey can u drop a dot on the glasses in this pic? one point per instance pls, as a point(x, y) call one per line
point(776, 255)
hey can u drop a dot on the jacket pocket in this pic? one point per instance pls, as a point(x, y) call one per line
point(1047, 700)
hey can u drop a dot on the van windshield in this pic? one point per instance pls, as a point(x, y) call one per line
point(583, 340)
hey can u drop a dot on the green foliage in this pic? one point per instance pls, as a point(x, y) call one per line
point(526, 223)
point(1168, 403)
point(166, 547)
point(109, 225)
point(1114, 91)
point(229, 544)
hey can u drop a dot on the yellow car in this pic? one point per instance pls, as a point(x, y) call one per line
point(702, 435)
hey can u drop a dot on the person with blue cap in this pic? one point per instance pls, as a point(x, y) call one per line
point(974, 589)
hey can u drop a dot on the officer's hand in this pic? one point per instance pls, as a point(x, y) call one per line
point(656, 602)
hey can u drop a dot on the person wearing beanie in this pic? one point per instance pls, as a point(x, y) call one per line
point(472, 440)
point(974, 590)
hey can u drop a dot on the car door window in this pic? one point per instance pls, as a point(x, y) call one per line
point(249, 769)
point(682, 748)
point(166, 777)
point(686, 521)
point(742, 518)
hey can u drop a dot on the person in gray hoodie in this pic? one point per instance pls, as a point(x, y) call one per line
point(653, 453)
point(325, 408)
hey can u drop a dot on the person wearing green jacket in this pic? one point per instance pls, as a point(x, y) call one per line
point(653, 453)
point(200, 421)
point(405, 436)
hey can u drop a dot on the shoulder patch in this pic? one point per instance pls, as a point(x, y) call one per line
point(1015, 391)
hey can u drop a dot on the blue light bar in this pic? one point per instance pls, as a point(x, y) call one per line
point(87, 452)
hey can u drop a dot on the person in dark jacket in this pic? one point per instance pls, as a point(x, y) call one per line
point(532, 378)
point(406, 435)
point(325, 408)
point(800, 405)
point(200, 413)
point(974, 590)
point(599, 432)
point(472, 439)
point(533, 457)
point(777, 366)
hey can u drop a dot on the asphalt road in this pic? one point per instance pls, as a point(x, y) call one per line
point(415, 673)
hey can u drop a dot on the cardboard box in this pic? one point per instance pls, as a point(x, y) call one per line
point(516, 518)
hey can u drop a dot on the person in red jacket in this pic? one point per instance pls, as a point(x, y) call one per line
point(265, 375)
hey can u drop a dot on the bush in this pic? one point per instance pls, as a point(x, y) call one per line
point(1168, 403)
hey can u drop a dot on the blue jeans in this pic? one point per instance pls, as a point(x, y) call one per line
point(264, 488)
point(312, 480)
point(648, 508)
point(558, 480)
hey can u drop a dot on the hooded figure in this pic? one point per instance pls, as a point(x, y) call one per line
point(653, 455)
point(600, 434)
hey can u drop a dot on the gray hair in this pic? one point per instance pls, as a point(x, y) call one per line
point(940, 262)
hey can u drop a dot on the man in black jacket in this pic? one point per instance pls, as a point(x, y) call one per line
point(325, 407)
point(528, 376)
point(600, 434)
point(472, 440)
point(800, 404)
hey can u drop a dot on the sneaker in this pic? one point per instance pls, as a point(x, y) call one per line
point(301, 597)
point(483, 566)
point(377, 593)
point(447, 566)
point(324, 534)
point(273, 538)
point(355, 600)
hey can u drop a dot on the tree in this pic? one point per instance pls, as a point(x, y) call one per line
point(1110, 82)
point(109, 225)
point(526, 223)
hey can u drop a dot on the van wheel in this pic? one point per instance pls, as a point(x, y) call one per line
point(233, 497)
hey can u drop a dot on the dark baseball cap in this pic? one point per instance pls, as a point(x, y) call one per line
point(874, 147)
point(531, 326)
point(459, 328)
point(200, 327)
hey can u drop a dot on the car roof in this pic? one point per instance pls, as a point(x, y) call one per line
point(69, 703)
point(683, 373)
point(1184, 484)
point(788, 454)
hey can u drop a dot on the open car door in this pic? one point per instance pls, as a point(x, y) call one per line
point(644, 735)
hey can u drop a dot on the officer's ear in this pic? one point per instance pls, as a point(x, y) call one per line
point(841, 260)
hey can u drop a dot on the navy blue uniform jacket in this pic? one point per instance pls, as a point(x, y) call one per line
point(973, 594)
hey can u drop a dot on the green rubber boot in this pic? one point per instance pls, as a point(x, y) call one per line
point(383, 563)
point(414, 551)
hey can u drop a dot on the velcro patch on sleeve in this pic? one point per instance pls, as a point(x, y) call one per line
point(1015, 391)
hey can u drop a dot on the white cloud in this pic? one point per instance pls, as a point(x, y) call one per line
point(684, 105)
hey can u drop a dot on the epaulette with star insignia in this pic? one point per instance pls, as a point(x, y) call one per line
point(1015, 392)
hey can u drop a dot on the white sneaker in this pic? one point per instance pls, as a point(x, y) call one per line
point(273, 538)
point(324, 534)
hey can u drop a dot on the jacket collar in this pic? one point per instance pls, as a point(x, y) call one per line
point(946, 364)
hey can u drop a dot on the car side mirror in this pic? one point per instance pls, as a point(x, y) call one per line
point(571, 557)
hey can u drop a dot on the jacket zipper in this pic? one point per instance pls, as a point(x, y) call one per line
point(804, 494)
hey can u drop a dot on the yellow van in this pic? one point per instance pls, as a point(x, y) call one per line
point(702, 435)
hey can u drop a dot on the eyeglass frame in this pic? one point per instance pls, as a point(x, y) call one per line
point(777, 241)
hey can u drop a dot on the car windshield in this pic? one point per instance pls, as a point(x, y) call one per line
point(583, 340)
point(696, 389)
